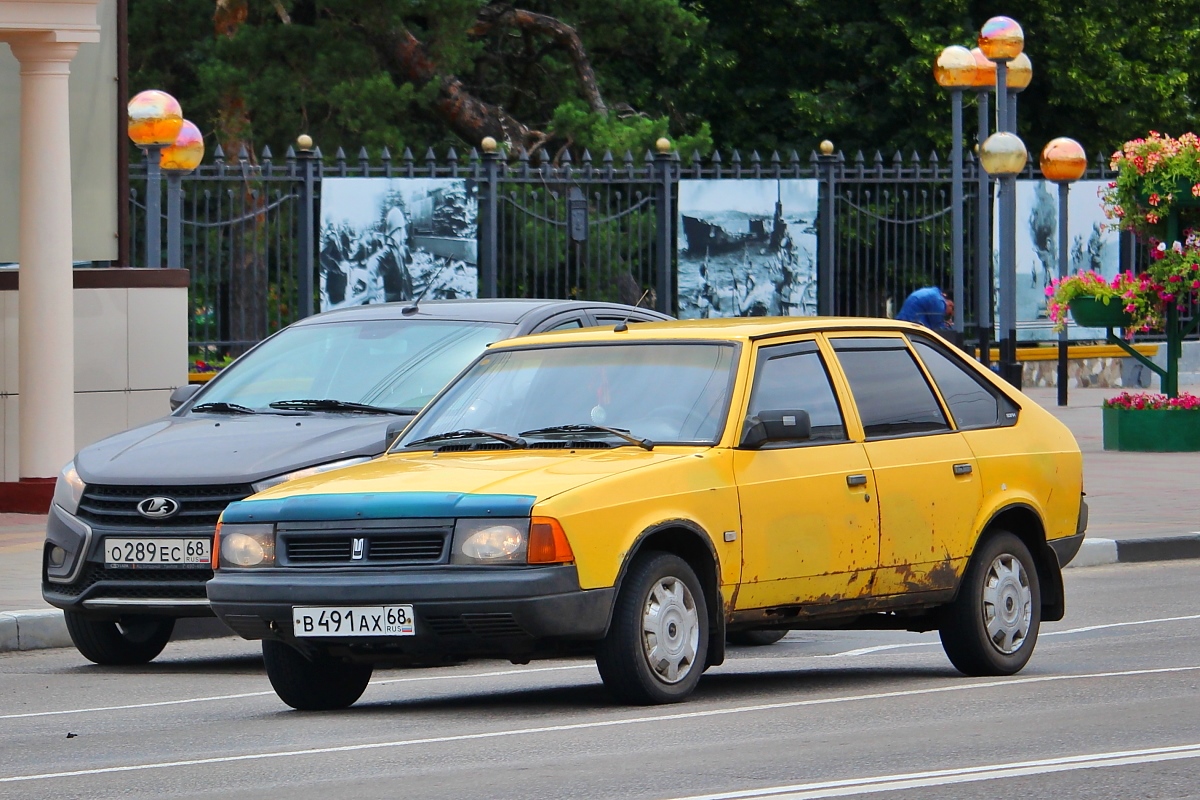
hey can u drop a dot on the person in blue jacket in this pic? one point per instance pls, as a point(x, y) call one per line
point(929, 307)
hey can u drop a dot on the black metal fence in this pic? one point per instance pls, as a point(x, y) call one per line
point(601, 228)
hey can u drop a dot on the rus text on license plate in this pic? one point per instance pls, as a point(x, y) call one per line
point(195, 552)
point(353, 621)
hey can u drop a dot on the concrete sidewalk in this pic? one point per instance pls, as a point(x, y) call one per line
point(1143, 508)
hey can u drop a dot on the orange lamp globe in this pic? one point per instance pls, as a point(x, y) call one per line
point(1020, 73)
point(985, 70)
point(187, 152)
point(1063, 159)
point(155, 118)
point(954, 68)
point(1001, 38)
point(1003, 154)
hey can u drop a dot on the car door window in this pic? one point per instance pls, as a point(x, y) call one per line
point(793, 376)
point(630, 319)
point(557, 324)
point(892, 395)
point(971, 405)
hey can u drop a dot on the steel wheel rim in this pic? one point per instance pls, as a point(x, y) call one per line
point(670, 630)
point(1007, 604)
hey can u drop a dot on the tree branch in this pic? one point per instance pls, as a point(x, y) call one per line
point(492, 17)
point(467, 115)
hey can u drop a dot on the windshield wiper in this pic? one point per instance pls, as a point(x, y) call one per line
point(222, 408)
point(470, 433)
point(339, 405)
point(618, 432)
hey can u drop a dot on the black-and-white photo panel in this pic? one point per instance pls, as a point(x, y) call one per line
point(747, 248)
point(390, 239)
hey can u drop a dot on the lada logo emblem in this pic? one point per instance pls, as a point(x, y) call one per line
point(356, 549)
point(158, 507)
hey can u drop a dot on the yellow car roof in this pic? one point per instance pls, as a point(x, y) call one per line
point(730, 329)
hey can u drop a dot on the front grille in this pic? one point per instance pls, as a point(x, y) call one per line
point(175, 583)
point(381, 543)
point(319, 548)
point(406, 548)
point(199, 506)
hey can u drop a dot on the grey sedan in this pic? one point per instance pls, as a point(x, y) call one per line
point(129, 536)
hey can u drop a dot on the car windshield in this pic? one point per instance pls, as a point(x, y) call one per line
point(390, 363)
point(666, 393)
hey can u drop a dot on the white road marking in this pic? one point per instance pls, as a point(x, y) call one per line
point(597, 724)
point(863, 651)
point(1120, 625)
point(946, 777)
point(496, 673)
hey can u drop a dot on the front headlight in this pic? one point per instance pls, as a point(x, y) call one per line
point(267, 483)
point(68, 489)
point(245, 546)
point(490, 541)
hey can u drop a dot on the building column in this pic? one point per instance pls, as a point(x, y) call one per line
point(46, 342)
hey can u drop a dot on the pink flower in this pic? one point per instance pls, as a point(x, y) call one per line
point(1131, 308)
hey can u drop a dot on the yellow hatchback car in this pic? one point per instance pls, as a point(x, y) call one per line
point(642, 493)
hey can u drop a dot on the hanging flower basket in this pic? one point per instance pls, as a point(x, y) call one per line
point(1091, 312)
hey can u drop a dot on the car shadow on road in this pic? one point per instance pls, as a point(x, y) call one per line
point(774, 686)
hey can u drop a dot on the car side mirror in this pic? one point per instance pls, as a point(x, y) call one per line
point(776, 426)
point(182, 394)
point(394, 430)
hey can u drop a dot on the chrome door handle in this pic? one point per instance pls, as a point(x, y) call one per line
point(856, 480)
point(962, 469)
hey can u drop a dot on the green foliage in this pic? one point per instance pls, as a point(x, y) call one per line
point(765, 75)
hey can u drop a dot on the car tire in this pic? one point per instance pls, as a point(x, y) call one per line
point(134, 640)
point(761, 638)
point(320, 683)
point(657, 643)
point(992, 626)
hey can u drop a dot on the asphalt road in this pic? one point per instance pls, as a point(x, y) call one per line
point(1108, 708)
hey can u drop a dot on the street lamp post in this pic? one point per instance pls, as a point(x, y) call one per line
point(155, 120)
point(1004, 155)
point(983, 83)
point(176, 161)
point(1063, 162)
point(1002, 40)
point(955, 70)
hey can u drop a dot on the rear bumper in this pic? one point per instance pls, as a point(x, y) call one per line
point(1067, 547)
point(459, 611)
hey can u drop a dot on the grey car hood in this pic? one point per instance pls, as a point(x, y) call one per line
point(230, 448)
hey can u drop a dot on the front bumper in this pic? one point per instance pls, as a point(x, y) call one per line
point(460, 611)
point(84, 585)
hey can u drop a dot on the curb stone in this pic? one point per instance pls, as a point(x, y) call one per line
point(1098, 552)
point(40, 629)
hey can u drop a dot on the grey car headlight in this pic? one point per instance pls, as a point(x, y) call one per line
point(490, 541)
point(68, 489)
point(244, 546)
point(267, 483)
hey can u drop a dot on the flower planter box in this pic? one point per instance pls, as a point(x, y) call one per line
point(1151, 431)
point(1088, 312)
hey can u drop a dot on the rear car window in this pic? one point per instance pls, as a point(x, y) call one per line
point(971, 405)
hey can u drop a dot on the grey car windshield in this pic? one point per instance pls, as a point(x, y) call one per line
point(667, 393)
point(391, 363)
